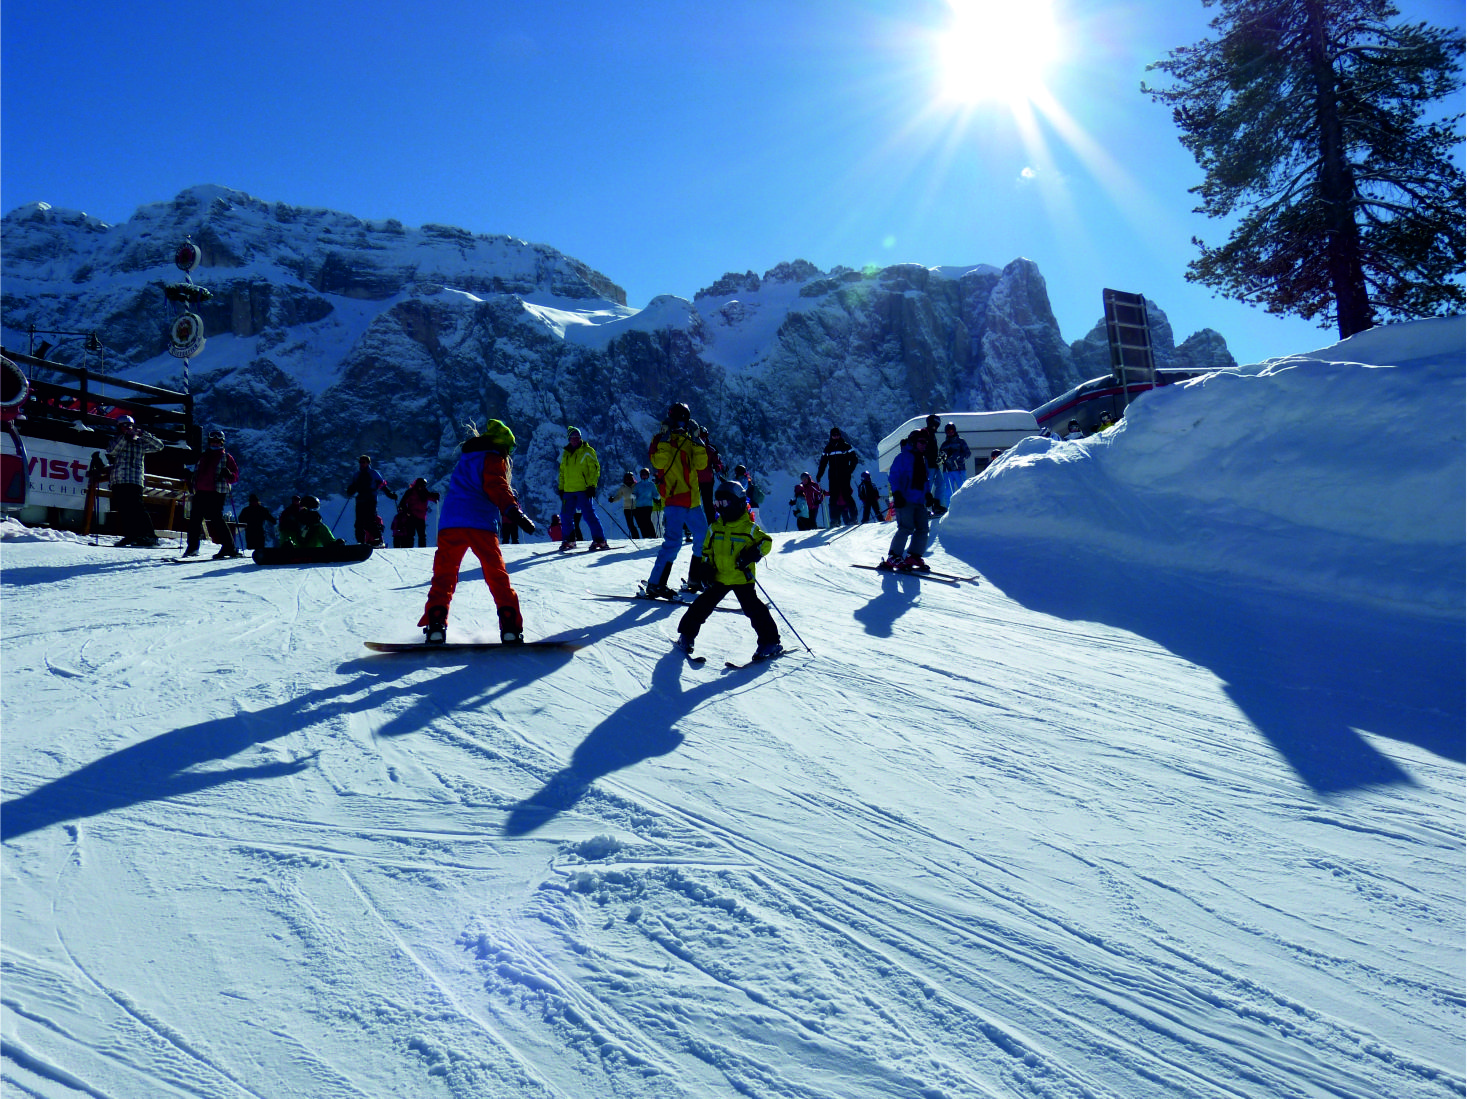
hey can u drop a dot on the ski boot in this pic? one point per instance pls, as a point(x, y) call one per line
point(511, 626)
point(684, 644)
point(914, 563)
point(436, 631)
point(598, 544)
point(657, 591)
point(890, 564)
point(568, 545)
point(768, 652)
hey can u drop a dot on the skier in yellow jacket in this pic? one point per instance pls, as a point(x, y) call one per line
point(580, 472)
point(731, 548)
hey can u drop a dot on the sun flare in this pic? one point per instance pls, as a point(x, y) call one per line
point(997, 50)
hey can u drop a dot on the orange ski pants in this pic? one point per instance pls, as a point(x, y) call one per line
point(453, 543)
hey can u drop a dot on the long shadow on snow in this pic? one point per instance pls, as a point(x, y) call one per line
point(643, 727)
point(163, 766)
point(895, 599)
point(1309, 674)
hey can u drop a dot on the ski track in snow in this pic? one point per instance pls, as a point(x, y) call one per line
point(846, 875)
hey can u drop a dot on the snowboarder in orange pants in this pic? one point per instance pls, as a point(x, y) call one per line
point(479, 499)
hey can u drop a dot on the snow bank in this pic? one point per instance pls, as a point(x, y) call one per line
point(1339, 472)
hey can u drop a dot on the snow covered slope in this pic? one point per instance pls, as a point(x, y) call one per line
point(1142, 811)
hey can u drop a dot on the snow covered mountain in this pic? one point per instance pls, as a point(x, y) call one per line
point(1167, 802)
point(330, 336)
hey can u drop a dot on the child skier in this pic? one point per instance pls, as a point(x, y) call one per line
point(731, 547)
point(479, 499)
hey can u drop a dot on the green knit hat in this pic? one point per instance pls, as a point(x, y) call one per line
point(499, 435)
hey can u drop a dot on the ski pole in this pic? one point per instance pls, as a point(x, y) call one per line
point(621, 528)
point(340, 514)
point(787, 622)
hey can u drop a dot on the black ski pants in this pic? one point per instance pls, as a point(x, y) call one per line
point(749, 602)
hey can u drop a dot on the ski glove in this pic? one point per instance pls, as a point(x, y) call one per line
point(899, 498)
point(747, 556)
point(523, 521)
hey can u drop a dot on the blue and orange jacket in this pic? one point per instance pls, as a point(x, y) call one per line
point(479, 492)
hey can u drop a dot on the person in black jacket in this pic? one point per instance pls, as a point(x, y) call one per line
point(841, 459)
point(254, 517)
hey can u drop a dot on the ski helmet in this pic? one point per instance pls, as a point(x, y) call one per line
point(951, 429)
point(679, 413)
point(126, 420)
point(216, 436)
point(310, 503)
point(728, 501)
point(933, 420)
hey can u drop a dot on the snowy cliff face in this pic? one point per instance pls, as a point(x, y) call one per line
point(330, 336)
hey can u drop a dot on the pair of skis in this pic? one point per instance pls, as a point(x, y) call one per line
point(944, 577)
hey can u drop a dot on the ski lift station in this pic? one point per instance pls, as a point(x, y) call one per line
point(984, 432)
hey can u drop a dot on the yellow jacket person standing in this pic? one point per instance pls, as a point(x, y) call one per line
point(580, 472)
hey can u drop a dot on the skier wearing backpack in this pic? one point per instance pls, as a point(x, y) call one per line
point(732, 546)
point(479, 501)
point(678, 457)
point(870, 497)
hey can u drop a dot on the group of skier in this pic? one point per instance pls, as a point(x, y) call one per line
point(481, 502)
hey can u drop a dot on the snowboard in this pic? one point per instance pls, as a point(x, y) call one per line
point(314, 555)
point(466, 646)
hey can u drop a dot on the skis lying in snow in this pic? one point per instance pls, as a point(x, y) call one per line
point(945, 577)
point(467, 646)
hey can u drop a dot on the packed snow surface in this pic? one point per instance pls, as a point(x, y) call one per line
point(1166, 801)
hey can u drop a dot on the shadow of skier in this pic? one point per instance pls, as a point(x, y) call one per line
point(642, 728)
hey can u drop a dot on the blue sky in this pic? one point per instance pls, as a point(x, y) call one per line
point(663, 142)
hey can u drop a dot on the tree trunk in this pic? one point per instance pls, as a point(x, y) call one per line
point(1336, 186)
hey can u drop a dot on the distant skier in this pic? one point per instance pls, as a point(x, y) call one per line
point(841, 459)
point(580, 471)
point(626, 492)
point(254, 517)
point(305, 528)
point(908, 479)
point(479, 501)
point(809, 494)
point(417, 500)
point(752, 492)
point(128, 453)
point(732, 546)
point(214, 474)
point(953, 457)
point(365, 486)
point(648, 500)
point(934, 471)
point(709, 473)
point(870, 497)
point(678, 457)
point(287, 526)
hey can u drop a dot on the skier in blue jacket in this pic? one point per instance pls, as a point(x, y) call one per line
point(908, 480)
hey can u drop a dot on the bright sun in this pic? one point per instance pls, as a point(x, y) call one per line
point(997, 50)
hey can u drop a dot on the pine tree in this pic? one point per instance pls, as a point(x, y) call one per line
point(1311, 120)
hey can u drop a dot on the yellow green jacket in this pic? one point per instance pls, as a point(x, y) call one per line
point(726, 540)
point(579, 468)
